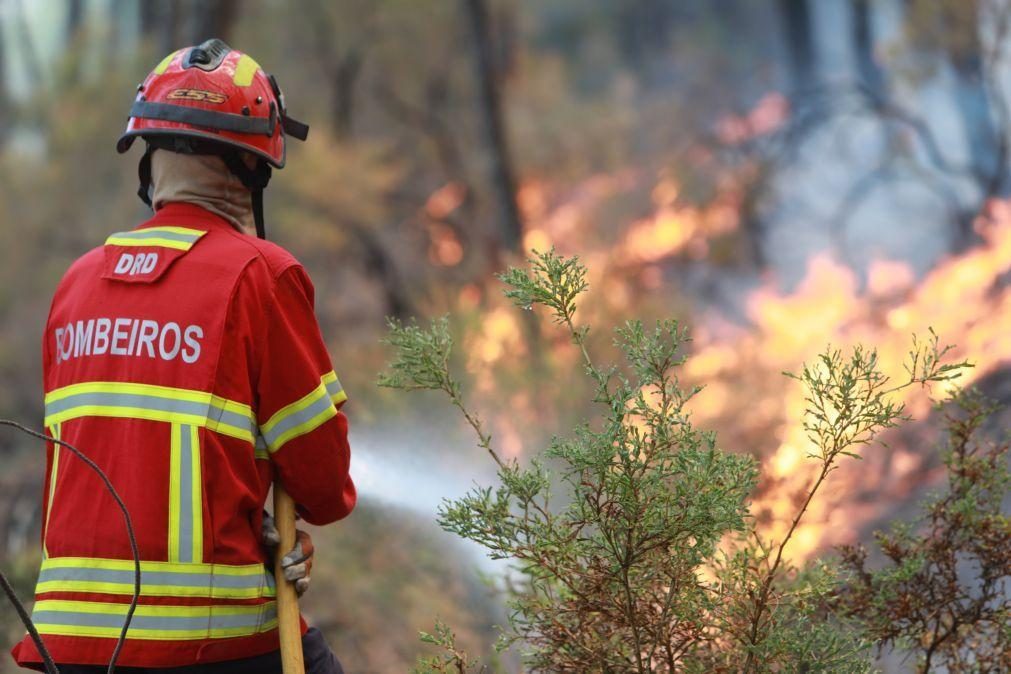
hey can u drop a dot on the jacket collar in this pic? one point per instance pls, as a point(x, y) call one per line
point(186, 215)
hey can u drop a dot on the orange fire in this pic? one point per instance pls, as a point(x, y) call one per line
point(965, 299)
point(962, 299)
point(772, 111)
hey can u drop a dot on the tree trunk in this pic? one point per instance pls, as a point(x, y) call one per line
point(496, 141)
point(75, 20)
point(345, 78)
point(872, 77)
point(114, 46)
point(797, 29)
point(159, 22)
point(644, 29)
point(212, 18)
point(29, 55)
point(75, 17)
point(973, 102)
point(6, 121)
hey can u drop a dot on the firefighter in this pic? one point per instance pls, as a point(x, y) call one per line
point(184, 358)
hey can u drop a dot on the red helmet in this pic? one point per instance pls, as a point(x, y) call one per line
point(213, 93)
point(211, 99)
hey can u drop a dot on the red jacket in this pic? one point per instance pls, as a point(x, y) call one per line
point(184, 358)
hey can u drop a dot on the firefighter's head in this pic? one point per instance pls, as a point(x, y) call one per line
point(213, 100)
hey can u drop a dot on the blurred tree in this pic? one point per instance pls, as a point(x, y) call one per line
point(75, 18)
point(174, 23)
point(644, 29)
point(5, 102)
point(26, 44)
point(987, 148)
point(340, 49)
point(75, 24)
point(211, 18)
point(950, 32)
point(496, 141)
point(160, 22)
point(871, 75)
point(800, 45)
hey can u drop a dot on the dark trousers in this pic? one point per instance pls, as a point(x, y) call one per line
point(319, 659)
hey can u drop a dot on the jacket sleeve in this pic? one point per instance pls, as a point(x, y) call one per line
point(298, 405)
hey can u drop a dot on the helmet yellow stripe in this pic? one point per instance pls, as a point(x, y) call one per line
point(163, 66)
point(245, 69)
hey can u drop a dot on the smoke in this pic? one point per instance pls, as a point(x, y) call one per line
point(418, 470)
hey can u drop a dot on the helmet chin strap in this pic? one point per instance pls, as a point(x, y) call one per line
point(257, 197)
point(255, 180)
point(144, 176)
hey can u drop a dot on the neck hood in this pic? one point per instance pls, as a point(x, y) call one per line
point(202, 180)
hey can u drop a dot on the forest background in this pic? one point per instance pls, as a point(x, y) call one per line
point(778, 174)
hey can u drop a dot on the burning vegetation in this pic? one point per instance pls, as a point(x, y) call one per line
point(632, 539)
point(779, 179)
point(744, 346)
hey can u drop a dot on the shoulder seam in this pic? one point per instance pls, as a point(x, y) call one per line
point(275, 275)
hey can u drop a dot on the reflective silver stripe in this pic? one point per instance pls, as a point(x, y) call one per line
point(296, 419)
point(208, 411)
point(186, 461)
point(162, 623)
point(261, 451)
point(159, 578)
point(141, 234)
point(334, 388)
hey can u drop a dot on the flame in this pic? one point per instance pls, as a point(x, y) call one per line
point(963, 299)
point(675, 228)
point(966, 299)
point(771, 113)
point(445, 249)
point(500, 335)
point(445, 200)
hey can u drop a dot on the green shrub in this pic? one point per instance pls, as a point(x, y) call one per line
point(635, 551)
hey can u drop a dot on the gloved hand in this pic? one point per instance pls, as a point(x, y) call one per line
point(297, 564)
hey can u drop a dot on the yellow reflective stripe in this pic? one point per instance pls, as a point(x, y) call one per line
point(334, 387)
point(154, 403)
point(163, 623)
point(163, 66)
point(300, 417)
point(163, 243)
point(245, 70)
point(185, 530)
point(147, 389)
point(54, 432)
point(293, 408)
point(158, 579)
point(180, 238)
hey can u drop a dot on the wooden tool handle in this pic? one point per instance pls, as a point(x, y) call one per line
point(288, 622)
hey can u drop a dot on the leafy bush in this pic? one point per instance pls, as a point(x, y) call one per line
point(943, 594)
point(637, 552)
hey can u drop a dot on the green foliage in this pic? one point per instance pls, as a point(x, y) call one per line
point(451, 660)
point(635, 551)
point(422, 358)
point(770, 616)
point(941, 594)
